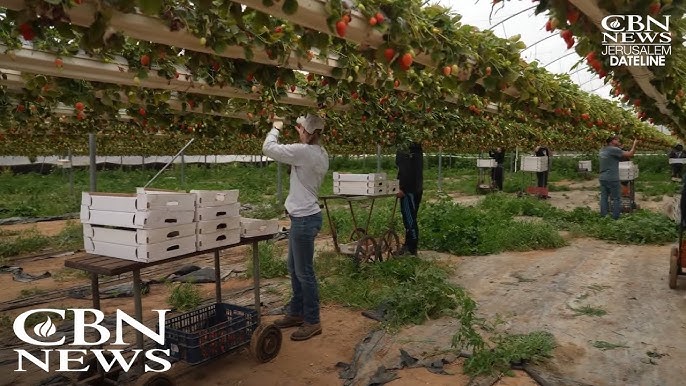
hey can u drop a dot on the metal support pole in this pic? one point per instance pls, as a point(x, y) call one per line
point(279, 187)
point(91, 153)
point(378, 158)
point(71, 175)
point(183, 171)
point(440, 168)
point(256, 279)
point(95, 291)
point(217, 278)
point(138, 307)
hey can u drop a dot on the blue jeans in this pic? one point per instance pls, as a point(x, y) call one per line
point(305, 300)
point(409, 208)
point(610, 190)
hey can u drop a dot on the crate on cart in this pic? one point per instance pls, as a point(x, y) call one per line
point(534, 164)
point(209, 331)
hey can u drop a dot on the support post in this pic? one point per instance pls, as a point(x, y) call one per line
point(183, 171)
point(91, 153)
point(256, 279)
point(71, 175)
point(378, 158)
point(440, 168)
point(217, 278)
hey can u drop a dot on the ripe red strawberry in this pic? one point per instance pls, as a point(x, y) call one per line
point(293, 88)
point(572, 15)
point(447, 70)
point(548, 26)
point(79, 106)
point(406, 60)
point(341, 28)
point(145, 60)
point(26, 31)
point(59, 62)
point(141, 111)
point(379, 17)
point(21, 108)
point(654, 8)
point(566, 34)
point(373, 21)
point(389, 53)
point(570, 43)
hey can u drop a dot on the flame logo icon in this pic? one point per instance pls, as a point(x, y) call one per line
point(615, 24)
point(45, 329)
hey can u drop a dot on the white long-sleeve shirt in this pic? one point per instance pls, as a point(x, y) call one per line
point(309, 166)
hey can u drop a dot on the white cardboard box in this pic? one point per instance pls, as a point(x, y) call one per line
point(392, 186)
point(628, 171)
point(486, 163)
point(358, 177)
point(360, 191)
point(218, 239)
point(137, 236)
point(143, 253)
point(359, 184)
point(586, 165)
point(211, 226)
point(677, 160)
point(205, 198)
point(217, 212)
point(115, 202)
point(534, 164)
point(139, 220)
point(252, 227)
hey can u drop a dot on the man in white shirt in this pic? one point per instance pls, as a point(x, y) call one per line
point(310, 162)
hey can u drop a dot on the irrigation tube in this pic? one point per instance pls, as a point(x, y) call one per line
point(169, 163)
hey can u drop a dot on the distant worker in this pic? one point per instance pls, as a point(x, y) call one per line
point(497, 173)
point(542, 177)
point(610, 157)
point(410, 163)
point(677, 168)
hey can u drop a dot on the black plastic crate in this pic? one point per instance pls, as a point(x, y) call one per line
point(209, 331)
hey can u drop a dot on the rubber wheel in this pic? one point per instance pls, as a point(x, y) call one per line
point(366, 250)
point(93, 369)
point(265, 342)
point(357, 234)
point(673, 267)
point(154, 379)
point(389, 246)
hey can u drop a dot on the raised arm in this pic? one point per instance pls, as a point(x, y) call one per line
point(289, 154)
point(629, 154)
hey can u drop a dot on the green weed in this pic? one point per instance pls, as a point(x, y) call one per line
point(589, 311)
point(29, 292)
point(184, 296)
point(272, 261)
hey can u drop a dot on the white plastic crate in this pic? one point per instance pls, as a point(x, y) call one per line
point(628, 171)
point(217, 212)
point(392, 186)
point(585, 165)
point(205, 198)
point(143, 253)
point(139, 220)
point(211, 226)
point(677, 160)
point(359, 177)
point(534, 164)
point(359, 191)
point(486, 163)
point(218, 239)
point(252, 227)
point(120, 202)
point(137, 236)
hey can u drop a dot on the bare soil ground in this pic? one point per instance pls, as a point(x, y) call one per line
point(538, 290)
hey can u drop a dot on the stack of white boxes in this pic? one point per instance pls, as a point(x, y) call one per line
point(370, 184)
point(218, 218)
point(585, 166)
point(628, 171)
point(534, 164)
point(252, 227)
point(486, 163)
point(146, 226)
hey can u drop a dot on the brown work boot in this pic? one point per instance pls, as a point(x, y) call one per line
point(289, 321)
point(306, 331)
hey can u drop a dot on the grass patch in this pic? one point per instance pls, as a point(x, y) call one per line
point(604, 346)
point(589, 311)
point(16, 243)
point(184, 296)
point(598, 287)
point(29, 292)
point(272, 264)
point(70, 274)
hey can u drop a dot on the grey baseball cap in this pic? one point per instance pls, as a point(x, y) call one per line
point(311, 123)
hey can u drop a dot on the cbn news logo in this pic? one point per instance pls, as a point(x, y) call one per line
point(68, 358)
point(634, 40)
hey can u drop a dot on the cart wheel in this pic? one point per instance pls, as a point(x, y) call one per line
point(94, 369)
point(366, 250)
point(265, 343)
point(154, 379)
point(390, 245)
point(673, 267)
point(358, 234)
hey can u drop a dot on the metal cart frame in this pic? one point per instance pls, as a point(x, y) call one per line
point(362, 246)
point(265, 343)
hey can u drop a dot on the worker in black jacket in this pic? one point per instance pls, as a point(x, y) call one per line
point(497, 175)
point(410, 162)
